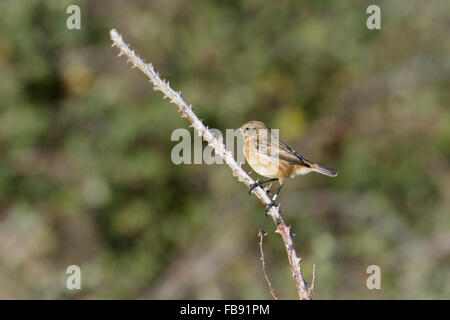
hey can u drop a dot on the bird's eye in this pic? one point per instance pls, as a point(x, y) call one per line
point(248, 129)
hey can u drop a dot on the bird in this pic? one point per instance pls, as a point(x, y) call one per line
point(272, 158)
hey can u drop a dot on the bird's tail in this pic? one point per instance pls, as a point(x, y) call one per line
point(323, 170)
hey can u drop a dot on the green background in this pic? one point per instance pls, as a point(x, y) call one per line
point(86, 176)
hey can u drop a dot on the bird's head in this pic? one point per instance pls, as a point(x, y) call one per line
point(252, 128)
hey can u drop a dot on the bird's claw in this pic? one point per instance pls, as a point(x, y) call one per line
point(271, 204)
point(253, 186)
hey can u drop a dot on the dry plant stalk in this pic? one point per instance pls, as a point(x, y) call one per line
point(187, 112)
point(261, 235)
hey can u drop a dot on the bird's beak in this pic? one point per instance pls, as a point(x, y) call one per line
point(237, 130)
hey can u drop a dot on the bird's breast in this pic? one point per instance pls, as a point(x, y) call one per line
point(265, 165)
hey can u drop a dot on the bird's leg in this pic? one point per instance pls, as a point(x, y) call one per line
point(259, 184)
point(277, 192)
point(272, 203)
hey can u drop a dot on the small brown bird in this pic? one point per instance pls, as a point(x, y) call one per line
point(272, 158)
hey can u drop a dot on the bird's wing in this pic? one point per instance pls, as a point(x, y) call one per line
point(290, 155)
point(278, 149)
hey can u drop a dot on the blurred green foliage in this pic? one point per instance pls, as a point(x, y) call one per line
point(86, 176)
